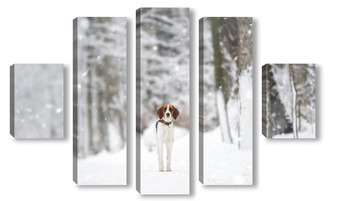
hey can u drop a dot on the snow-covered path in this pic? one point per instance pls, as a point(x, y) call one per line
point(224, 164)
point(103, 169)
point(175, 182)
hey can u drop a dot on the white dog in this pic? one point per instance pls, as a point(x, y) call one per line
point(164, 134)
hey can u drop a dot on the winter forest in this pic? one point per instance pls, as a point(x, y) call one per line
point(163, 78)
point(100, 100)
point(38, 101)
point(164, 46)
point(226, 101)
point(289, 100)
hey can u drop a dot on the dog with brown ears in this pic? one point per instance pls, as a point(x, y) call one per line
point(164, 134)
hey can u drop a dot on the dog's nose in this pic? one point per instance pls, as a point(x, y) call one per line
point(167, 114)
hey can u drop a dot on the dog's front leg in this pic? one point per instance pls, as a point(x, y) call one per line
point(169, 148)
point(160, 157)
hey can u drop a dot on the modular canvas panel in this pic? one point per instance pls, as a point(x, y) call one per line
point(37, 101)
point(225, 101)
point(289, 101)
point(99, 101)
point(163, 101)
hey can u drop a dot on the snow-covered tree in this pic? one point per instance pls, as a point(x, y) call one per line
point(207, 82)
point(220, 85)
point(227, 69)
point(164, 61)
point(101, 57)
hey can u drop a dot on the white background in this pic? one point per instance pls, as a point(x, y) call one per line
point(285, 32)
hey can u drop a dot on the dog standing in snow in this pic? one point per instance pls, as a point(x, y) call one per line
point(164, 134)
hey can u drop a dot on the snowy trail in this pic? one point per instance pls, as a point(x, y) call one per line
point(103, 169)
point(224, 164)
point(175, 182)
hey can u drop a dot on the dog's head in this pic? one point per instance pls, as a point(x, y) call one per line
point(167, 112)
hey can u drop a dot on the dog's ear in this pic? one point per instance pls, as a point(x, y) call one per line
point(160, 112)
point(176, 113)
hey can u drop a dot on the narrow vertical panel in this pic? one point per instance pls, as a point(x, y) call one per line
point(265, 100)
point(163, 86)
point(138, 101)
point(225, 101)
point(289, 101)
point(12, 100)
point(201, 99)
point(36, 101)
point(75, 100)
point(99, 101)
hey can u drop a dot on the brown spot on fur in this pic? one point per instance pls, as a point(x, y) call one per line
point(160, 112)
point(175, 113)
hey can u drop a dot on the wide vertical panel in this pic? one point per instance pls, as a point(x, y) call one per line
point(289, 101)
point(225, 101)
point(163, 86)
point(36, 101)
point(100, 105)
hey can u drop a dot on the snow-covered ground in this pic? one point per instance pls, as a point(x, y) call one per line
point(307, 132)
point(175, 182)
point(103, 169)
point(224, 164)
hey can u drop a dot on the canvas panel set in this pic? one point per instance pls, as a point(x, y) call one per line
point(163, 101)
point(289, 101)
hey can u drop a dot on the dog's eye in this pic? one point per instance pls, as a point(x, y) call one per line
point(171, 109)
point(164, 109)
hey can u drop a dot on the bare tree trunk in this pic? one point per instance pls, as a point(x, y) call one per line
point(219, 83)
point(299, 121)
point(90, 112)
point(268, 101)
point(101, 109)
point(294, 99)
point(115, 115)
point(237, 40)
